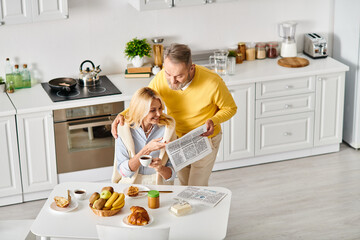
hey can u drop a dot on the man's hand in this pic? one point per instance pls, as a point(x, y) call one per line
point(118, 120)
point(209, 127)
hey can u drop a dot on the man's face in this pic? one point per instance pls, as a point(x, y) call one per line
point(177, 74)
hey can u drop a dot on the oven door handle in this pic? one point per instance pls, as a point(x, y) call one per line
point(87, 125)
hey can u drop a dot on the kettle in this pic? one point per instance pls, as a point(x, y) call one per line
point(89, 77)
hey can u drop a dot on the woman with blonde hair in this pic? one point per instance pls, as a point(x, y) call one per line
point(146, 131)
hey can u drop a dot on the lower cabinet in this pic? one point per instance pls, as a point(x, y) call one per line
point(10, 179)
point(284, 133)
point(238, 132)
point(329, 109)
point(37, 154)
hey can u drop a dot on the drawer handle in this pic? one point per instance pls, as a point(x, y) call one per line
point(287, 133)
point(287, 106)
point(288, 86)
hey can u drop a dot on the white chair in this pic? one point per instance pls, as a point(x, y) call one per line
point(130, 233)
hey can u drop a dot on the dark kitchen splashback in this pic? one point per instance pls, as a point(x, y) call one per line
point(104, 88)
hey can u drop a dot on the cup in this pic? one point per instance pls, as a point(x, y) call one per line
point(145, 160)
point(220, 61)
point(231, 65)
point(80, 194)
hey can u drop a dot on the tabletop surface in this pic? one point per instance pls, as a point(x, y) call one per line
point(203, 222)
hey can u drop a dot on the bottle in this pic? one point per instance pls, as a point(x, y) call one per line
point(242, 51)
point(10, 86)
point(153, 199)
point(26, 78)
point(17, 77)
point(8, 71)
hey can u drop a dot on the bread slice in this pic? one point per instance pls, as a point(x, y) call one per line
point(63, 202)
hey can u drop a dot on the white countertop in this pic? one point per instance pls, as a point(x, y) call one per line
point(6, 107)
point(202, 223)
point(35, 99)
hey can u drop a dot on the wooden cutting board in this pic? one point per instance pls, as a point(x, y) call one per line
point(293, 62)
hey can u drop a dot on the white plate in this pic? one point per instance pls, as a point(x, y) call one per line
point(130, 225)
point(140, 195)
point(72, 206)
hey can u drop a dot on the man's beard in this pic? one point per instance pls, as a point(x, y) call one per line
point(181, 85)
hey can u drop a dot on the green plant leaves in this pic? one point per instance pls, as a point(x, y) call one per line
point(137, 47)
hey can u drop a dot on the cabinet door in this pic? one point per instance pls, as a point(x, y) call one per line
point(44, 10)
point(181, 3)
point(239, 130)
point(15, 11)
point(329, 109)
point(37, 151)
point(10, 181)
point(151, 4)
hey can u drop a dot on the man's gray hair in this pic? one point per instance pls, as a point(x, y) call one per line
point(178, 53)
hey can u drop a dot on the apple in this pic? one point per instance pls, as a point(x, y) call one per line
point(106, 194)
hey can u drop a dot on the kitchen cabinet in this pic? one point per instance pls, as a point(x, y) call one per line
point(329, 108)
point(238, 132)
point(27, 11)
point(141, 5)
point(37, 154)
point(10, 180)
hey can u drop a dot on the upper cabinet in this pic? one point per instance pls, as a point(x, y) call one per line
point(27, 11)
point(141, 5)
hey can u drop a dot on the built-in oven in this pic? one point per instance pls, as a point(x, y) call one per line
point(83, 137)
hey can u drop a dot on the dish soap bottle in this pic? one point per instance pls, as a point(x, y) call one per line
point(26, 78)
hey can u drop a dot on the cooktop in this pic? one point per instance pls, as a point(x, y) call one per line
point(104, 88)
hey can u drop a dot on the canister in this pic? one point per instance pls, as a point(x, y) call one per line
point(260, 50)
point(153, 199)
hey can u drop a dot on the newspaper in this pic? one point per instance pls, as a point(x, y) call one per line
point(189, 148)
point(205, 196)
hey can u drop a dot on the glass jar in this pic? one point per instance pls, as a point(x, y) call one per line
point(10, 86)
point(242, 51)
point(260, 50)
point(273, 50)
point(153, 199)
point(250, 51)
point(231, 65)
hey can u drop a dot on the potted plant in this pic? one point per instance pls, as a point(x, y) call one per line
point(136, 50)
point(2, 85)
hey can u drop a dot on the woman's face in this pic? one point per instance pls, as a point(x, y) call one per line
point(154, 113)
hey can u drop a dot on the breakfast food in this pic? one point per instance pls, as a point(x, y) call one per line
point(133, 191)
point(107, 203)
point(99, 204)
point(106, 194)
point(180, 208)
point(63, 202)
point(95, 196)
point(109, 188)
point(139, 216)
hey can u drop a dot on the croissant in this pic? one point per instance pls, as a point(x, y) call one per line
point(139, 216)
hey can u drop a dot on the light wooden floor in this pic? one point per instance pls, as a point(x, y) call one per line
point(309, 199)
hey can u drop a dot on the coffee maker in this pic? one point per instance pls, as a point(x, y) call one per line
point(288, 44)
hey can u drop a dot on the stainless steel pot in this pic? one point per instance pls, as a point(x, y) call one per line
point(89, 77)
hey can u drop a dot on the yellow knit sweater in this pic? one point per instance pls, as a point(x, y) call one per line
point(207, 97)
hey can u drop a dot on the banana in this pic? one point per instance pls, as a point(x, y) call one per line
point(119, 200)
point(118, 207)
point(111, 200)
point(106, 208)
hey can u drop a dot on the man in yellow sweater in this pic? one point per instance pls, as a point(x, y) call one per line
point(193, 96)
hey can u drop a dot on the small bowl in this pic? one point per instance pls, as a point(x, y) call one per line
point(80, 194)
point(145, 160)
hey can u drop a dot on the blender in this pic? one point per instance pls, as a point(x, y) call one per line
point(288, 44)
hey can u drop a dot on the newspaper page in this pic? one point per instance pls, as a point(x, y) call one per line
point(205, 196)
point(189, 148)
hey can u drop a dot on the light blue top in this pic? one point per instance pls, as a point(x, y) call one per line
point(140, 140)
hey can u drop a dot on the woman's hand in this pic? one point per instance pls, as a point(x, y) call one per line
point(155, 145)
point(156, 164)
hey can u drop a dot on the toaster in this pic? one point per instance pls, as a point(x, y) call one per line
point(315, 46)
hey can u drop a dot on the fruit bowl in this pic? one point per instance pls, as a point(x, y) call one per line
point(105, 213)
